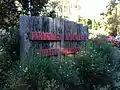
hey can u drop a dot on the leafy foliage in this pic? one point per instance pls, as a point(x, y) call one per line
point(92, 24)
point(95, 64)
point(9, 54)
point(111, 18)
point(40, 72)
point(9, 46)
point(36, 6)
point(89, 67)
point(10, 13)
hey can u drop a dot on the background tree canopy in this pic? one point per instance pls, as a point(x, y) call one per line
point(36, 6)
point(9, 14)
point(9, 11)
point(111, 17)
point(91, 23)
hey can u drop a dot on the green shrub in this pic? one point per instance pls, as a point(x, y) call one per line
point(91, 66)
point(95, 64)
point(9, 53)
point(67, 74)
point(42, 72)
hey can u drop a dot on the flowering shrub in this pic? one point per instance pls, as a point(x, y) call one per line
point(95, 64)
point(91, 66)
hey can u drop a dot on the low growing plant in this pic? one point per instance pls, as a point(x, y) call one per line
point(94, 65)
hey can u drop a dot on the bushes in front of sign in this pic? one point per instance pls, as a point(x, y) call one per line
point(67, 74)
point(90, 67)
point(31, 74)
point(9, 53)
point(45, 73)
point(13, 74)
point(87, 69)
point(95, 65)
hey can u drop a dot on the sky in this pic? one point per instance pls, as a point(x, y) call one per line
point(93, 8)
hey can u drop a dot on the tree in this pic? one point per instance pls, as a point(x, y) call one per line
point(36, 6)
point(96, 24)
point(85, 21)
point(92, 24)
point(63, 9)
point(51, 9)
point(10, 13)
point(111, 18)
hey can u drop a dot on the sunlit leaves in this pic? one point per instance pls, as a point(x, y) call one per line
point(111, 17)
